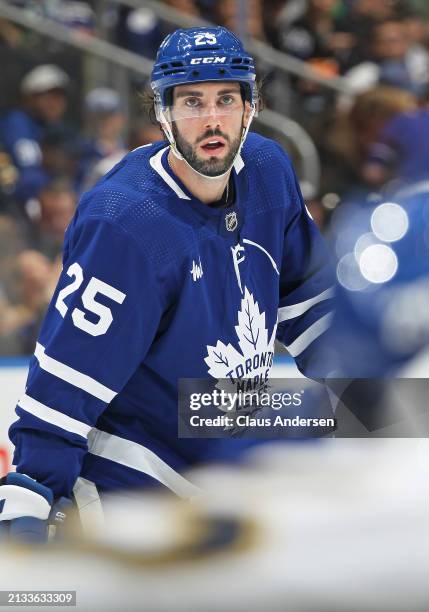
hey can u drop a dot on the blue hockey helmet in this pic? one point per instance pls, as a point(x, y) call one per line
point(198, 55)
point(195, 55)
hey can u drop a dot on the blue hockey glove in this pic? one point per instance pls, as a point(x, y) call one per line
point(25, 507)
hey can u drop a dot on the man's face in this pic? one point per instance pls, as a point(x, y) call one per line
point(390, 41)
point(57, 209)
point(207, 124)
point(50, 105)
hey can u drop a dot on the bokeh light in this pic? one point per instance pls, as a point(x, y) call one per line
point(389, 222)
point(349, 274)
point(378, 263)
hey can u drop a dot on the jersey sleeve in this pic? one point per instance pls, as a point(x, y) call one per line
point(101, 321)
point(306, 285)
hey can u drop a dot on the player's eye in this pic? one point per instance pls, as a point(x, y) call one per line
point(192, 102)
point(227, 100)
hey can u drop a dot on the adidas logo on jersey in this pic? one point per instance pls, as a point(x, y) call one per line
point(197, 270)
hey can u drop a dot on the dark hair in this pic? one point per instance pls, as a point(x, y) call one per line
point(147, 100)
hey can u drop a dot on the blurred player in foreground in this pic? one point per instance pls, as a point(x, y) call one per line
point(337, 525)
point(379, 341)
point(178, 264)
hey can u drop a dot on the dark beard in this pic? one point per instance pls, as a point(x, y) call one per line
point(212, 166)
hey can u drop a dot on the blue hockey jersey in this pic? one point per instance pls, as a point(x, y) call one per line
point(157, 286)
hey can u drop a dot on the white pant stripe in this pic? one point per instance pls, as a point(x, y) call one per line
point(139, 458)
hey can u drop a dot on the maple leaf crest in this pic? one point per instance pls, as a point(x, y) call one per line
point(252, 339)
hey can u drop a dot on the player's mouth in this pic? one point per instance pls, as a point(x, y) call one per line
point(213, 145)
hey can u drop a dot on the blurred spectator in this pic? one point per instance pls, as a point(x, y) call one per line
point(357, 19)
point(70, 13)
point(10, 34)
point(372, 109)
point(314, 37)
point(12, 242)
point(44, 103)
point(143, 132)
point(139, 30)
point(56, 206)
point(401, 150)
point(23, 310)
point(186, 6)
point(59, 155)
point(15, 62)
point(104, 132)
point(281, 14)
point(351, 137)
point(8, 178)
point(227, 13)
point(396, 60)
point(101, 168)
point(78, 16)
point(416, 27)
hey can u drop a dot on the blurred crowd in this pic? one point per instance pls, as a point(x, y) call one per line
point(58, 135)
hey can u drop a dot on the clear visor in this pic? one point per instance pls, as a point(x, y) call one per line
point(196, 108)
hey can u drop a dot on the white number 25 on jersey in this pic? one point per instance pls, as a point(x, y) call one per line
point(94, 287)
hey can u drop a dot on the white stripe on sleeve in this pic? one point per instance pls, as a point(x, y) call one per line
point(68, 374)
point(39, 410)
point(295, 310)
point(311, 333)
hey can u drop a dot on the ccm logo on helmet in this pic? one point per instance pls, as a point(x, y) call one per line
point(208, 60)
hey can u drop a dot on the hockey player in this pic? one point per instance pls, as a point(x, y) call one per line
point(186, 260)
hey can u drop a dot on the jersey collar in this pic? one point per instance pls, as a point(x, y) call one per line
point(219, 219)
point(167, 176)
point(160, 165)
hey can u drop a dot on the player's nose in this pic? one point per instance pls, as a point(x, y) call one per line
point(212, 115)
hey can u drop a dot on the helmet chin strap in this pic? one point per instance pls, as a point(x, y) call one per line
point(169, 133)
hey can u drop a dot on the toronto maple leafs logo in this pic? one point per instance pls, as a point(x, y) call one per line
point(247, 368)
